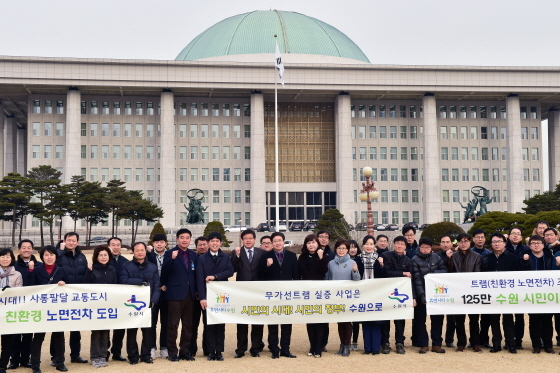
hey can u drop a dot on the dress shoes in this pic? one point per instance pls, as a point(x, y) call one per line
point(238, 355)
point(173, 358)
point(536, 350)
point(288, 354)
point(133, 362)
point(275, 356)
point(148, 361)
point(476, 348)
point(495, 349)
point(61, 368)
point(36, 369)
point(255, 354)
point(78, 360)
point(550, 350)
point(13, 366)
point(211, 357)
point(512, 350)
point(187, 356)
point(219, 357)
point(118, 357)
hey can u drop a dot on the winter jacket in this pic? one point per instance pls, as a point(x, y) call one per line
point(468, 261)
point(340, 268)
point(23, 268)
point(539, 264)
point(14, 278)
point(101, 274)
point(221, 268)
point(411, 249)
point(311, 267)
point(519, 250)
point(329, 253)
point(396, 264)
point(482, 252)
point(41, 277)
point(117, 263)
point(507, 261)
point(554, 265)
point(134, 273)
point(75, 264)
point(422, 264)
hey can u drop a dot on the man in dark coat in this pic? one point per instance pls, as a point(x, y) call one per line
point(280, 265)
point(117, 261)
point(139, 271)
point(245, 262)
point(21, 343)
point(159, 310)
point(179, 283)
point(71, 258)
point(215, 265)
point(201, 245)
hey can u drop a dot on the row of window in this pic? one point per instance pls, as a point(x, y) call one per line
point(383, 172)
point(475, 174)
point(451, 111)
point(495, 155)
point(139, 175)
point(224, 152)
point(139, 108)
point(455, 132)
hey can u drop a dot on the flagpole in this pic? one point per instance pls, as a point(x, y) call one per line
point(276, 149)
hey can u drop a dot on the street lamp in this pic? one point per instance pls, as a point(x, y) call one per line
point(367, 194)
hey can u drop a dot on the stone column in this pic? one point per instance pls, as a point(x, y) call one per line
point(515, 184)
point(167, 185)
point(553, 148)
point(431, 206)
point(258, 155)
point(343, 144)
point(2, 141)
point(10, 145)
point(21, 152)
point(72, 156)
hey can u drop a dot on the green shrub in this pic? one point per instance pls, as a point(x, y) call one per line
point(158, 228)
point(216, 226)
point(333, 222)
point(435, 231)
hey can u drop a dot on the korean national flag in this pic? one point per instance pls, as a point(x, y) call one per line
point(279, 65)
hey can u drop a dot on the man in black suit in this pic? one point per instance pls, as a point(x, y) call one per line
point(245, 262)
point(214, 265)
point(117, 261)
point(279, 265)
point(201, 244)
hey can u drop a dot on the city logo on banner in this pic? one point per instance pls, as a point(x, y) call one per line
point(222, 298)
point(401, 298)
point(136, 304)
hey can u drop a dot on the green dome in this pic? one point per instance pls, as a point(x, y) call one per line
point(253, 33)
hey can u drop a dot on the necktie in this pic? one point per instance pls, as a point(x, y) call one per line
point(215, 257)
point(250, 256)
point(280, 257)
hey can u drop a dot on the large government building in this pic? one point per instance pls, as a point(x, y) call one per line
point(206, 120)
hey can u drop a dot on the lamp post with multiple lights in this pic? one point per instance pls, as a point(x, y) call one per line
point(368, 193)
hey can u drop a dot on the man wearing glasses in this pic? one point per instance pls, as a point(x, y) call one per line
point(266, 243)
point(501, 260)
point(540, 324)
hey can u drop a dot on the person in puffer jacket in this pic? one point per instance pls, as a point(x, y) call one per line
point(343, 268)
point(100, 273)
point(139, 271)
point(425, 262)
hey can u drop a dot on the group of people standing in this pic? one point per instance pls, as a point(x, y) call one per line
point(177, 279)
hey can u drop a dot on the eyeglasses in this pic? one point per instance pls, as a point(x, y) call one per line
point(536, 243)
point(515, 234)
point(500, 241)
point(323, 236)
point(410, 235)
point(266, 243)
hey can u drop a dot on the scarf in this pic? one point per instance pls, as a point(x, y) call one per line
point(49, 268)
point(4, 276)
point(369, 264)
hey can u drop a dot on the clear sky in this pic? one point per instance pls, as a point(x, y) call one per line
point(409, 32)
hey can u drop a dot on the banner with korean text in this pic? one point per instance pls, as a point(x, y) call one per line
point(300, 302)
point(53, 308)
point(493, 292)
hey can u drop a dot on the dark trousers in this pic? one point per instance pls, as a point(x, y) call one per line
point(372, 335)
point(557, 327)
point(509, 330)
point(474, 330)
point(285, 339)
point(485, 321)
point(159, 310)
point(385, 332)
point(215, 337)
point(450, 328)
point(179, 311)
point(519, 328)
point(57, 340)
point(21, 348)
point(99, 343)
point(345, 332)
point(315, 333)
point(540, 329)
point(75, 345)
point(197, 312)
point(132, 344)
point(118, 338)
point(419, 327)
point(355, 331)
point(326, 335)
point(242, 338)
point(399, 331)
point(6, 343)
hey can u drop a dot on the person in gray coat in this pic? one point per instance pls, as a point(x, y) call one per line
point(343, 268)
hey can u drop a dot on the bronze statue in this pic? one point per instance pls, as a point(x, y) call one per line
point(470, 209)
point(195, 209)
point(482, 197)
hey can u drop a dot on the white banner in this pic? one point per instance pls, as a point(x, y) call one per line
point(493, 292)
point(301, 302)
point(53, 308)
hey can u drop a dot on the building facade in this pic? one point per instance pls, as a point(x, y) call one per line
point(430, 133)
